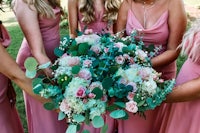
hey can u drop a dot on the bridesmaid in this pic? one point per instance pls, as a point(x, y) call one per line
point(183, 116)
point(162, 23)
point(98, 15)
point(9, 118)
point(39, 21)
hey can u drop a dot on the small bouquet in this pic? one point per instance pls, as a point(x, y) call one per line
point(92, 69)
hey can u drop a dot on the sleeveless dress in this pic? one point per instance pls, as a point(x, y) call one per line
point(99, 27)
point(9, 118)
point(183, 117)
point(39, 119)
point(157, 35)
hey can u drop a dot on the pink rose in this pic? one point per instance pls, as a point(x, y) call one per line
point(96, 49)
point(104, 98)
point(120, 59)
point(73, 61)
point(85, 100)
point(131, 60)
point(131, 106)
point(91, 95)
point(106, 50)
point(65, 55)
point(119, 45)
point(126, 56)
point(87, 63)
point(130, 96)
point(95, 85)
point(64, 106)
point(81, 92)
point(88, 31)
point(85, 74)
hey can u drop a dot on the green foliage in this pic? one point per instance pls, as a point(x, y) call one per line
point(97, 122)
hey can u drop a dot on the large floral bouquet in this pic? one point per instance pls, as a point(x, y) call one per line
point(95, 73)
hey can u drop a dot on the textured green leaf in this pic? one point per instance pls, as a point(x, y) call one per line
point(58, 52)
point(118, 114)
point(30, 63)
point(104, 129)
point(79, 118)
point(61, 115)
point(97, 121)
point(30, 74)
point(45, 65)
point(49, 106)
point(120, 104)
point(98, 92)
point(107, 83)
point(83, 48)
point(76, 69)
point(71, 129)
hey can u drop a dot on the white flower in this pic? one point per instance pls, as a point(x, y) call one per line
point(149, 86)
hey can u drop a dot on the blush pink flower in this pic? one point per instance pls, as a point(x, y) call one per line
point(95, 85)
point(119, 45)
point(96, 49)
point(73, 61)
point(130, 96)
point(64, 106)
point(106, 50)
point(120, 59)
point(131, 106)
point(85, 74)
point(81, 92)
point(88, 31)
point(126, 56)
point(87, 63)
point(131, 60)
point(91, 95)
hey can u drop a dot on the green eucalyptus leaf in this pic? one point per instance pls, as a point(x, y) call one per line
point(30, 74)
point(85, 131)
point(61, 115)
point(45, 65)
point(71, 129)
point(58, 52)
point(37, 88)
point(104, 129)
point(118, 114)
point(97, 121)
point(98, 92)
point(107, 83)
point(120, 104)
point(141, 103)
point(83, 48)
point(49, 106)
point(76, 69)
point(30, 63)
point(78, 118)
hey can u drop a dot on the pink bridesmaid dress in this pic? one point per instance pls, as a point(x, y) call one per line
point(99, 27)
point(9, 118)
point(183, 117)
point(157, 35)
point(39, 119)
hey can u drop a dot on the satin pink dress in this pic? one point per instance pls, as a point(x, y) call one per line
point(183, 117)
point(98, 26)
point(39, 119)
point(9, 118)
point(158, 35)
